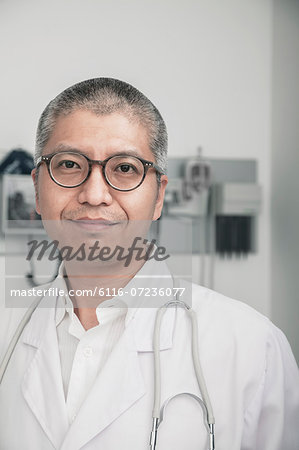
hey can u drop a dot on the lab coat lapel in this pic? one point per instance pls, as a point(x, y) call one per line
point(121, 383)
point(42, 382)
point(118, 386)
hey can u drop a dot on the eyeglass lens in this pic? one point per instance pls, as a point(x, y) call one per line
point(71, 169)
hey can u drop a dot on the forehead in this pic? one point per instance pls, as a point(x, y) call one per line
point(99, 136)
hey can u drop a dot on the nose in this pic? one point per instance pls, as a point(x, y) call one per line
point(95, 189)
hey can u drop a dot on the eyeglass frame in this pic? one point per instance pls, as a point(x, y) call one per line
point(146, 165)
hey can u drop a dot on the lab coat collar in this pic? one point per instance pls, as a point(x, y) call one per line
point(141, 318)
point(141, 309)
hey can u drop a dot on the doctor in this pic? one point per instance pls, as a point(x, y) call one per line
point(81, 375)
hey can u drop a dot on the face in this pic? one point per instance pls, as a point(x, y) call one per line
point(94, 205)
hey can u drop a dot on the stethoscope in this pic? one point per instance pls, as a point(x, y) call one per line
point(158, 411)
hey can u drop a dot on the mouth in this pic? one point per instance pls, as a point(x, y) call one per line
point(90, 224)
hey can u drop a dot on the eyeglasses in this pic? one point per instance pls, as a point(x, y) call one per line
point(121, 172)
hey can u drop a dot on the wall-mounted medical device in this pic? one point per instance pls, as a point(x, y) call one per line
point(187, 194)
point(222, 200)
point(237, 199)
point(235, 207)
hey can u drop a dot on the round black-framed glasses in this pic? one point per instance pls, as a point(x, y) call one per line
point(122, 172)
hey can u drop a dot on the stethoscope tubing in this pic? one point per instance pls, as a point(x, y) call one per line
point(205, 403)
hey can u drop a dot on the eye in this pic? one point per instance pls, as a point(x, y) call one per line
point(68, 164)
point(125, 168)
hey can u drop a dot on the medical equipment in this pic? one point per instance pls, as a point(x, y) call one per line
point(187, 191)
point(235, 207)
point(158, 413)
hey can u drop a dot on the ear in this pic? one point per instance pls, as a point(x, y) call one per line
point(160, 197)
point(34, 178)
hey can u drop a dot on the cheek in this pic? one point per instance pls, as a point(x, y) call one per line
point(48, 206)
point(50, 201)
point(139, 204)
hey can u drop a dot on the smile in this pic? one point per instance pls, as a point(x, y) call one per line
point(93, 224)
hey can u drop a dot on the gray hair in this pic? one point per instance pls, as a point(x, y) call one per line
point(104, 96)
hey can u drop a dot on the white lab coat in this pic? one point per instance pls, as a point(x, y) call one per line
point(251, 376)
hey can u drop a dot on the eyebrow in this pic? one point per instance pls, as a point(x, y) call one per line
point(68, 148)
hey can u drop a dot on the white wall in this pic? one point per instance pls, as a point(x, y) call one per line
point(285, 169)
point(205, 63)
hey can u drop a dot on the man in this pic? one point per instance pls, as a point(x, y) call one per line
point(81, 375)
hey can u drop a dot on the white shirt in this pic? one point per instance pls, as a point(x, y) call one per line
point(83, 353)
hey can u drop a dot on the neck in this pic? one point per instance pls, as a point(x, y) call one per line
point(92, 285)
